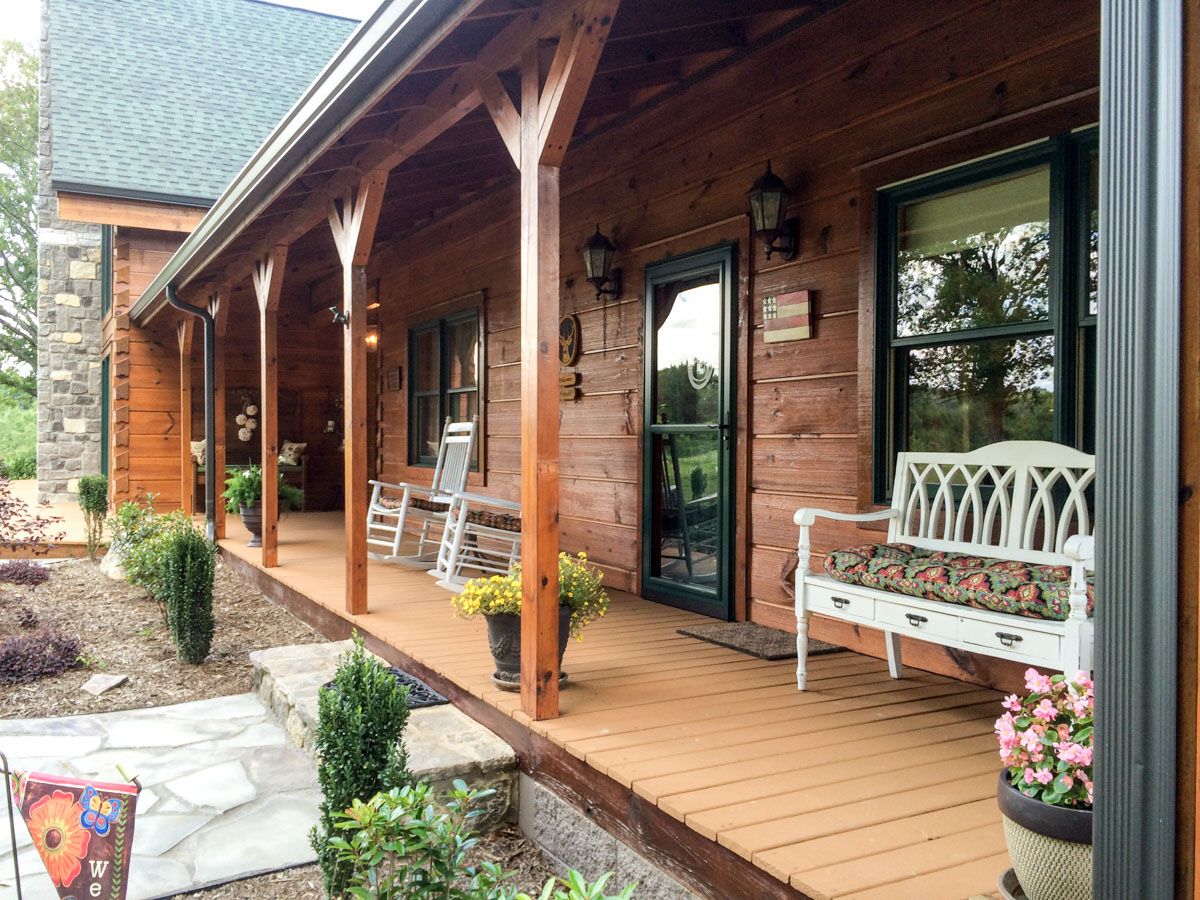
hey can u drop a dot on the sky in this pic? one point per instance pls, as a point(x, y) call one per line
point(19, 18)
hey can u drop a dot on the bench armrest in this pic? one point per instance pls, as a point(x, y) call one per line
point(1080, 548)
point(807, 516)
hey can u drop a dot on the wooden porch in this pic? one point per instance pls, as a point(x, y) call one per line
point(861, 787)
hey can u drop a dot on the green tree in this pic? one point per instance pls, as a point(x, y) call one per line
point(18, 222)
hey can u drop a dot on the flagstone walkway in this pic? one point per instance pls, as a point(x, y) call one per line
point(225, 795)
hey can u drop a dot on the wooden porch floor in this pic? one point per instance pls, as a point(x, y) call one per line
point(861, 787)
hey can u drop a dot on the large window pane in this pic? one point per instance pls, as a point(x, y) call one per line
point(963, 396)
point(688, 322)
point(425, 360)
point(975, 257)
point(427, 428)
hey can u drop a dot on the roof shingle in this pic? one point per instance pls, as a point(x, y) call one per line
point(167, 99)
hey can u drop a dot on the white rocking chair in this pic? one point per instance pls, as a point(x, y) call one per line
point(418, 508)
point(482, 536)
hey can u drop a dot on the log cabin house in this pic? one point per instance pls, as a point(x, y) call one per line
point(438, 185)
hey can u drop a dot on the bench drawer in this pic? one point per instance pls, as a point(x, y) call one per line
point(1015, 639)
point(912, 620)
point(842, 604)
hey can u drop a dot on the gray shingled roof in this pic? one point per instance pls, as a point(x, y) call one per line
point(167, 99)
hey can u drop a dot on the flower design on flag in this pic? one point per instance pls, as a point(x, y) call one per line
point(99, 812)
point(58, 834)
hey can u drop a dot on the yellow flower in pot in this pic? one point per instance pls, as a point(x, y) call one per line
point(581, 600)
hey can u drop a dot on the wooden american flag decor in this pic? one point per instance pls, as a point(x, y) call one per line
point(788, 317)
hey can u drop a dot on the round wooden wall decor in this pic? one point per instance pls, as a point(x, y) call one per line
point(568, 340)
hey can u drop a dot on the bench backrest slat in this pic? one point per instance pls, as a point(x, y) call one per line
point(1023, 499)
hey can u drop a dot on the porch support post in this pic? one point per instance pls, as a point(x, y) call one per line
point(184, 330)
point(268, 284)
point(1138, 496)
point(547, 118)
point(352, 219)
point(218, 308)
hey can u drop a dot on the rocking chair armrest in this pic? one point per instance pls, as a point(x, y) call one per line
point(483, 500)
point(807, 516)
point(402, 487)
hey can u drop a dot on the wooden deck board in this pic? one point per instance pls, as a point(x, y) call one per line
point(863, 786)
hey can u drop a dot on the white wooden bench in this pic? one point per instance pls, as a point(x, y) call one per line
point(1025, 501)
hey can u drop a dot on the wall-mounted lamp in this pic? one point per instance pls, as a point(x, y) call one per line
point(768, 215)
point(372, 338)
point(340, 316)
point(597, 263)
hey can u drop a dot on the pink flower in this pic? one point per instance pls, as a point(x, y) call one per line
point(1030, 775)
point(1046, 711)
point(1037, 682)
point(1013, 702)
point(1068, 782)
point(1073, 753)
point(1044, 776)
point(1030, 740)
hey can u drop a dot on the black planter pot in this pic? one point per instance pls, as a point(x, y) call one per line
point(504, 639)
point(252, 519)
point(1050, 846)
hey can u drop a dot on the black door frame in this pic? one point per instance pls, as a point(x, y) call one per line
point(724, 258)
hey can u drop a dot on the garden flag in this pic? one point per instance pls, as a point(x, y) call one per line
point(83, 831)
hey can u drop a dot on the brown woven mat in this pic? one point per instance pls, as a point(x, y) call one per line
point(755, 640)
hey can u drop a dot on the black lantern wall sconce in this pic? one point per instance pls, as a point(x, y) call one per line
point(768, 215)
point(597, 264)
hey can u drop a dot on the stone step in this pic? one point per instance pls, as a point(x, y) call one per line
point(443, 743)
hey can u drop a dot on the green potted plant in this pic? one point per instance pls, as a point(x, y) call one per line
point(581, 600)
point(1045, 791)
point(243, 495)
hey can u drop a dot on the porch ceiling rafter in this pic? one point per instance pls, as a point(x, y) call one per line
point(455, 97)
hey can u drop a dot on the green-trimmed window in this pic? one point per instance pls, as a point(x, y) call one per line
point(443, 381)
point(105, 413)
point(106, 269)
point(987, 304)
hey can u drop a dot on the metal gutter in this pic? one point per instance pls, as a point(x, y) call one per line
point(210, 416)
point(118, 193)
point(392, 39)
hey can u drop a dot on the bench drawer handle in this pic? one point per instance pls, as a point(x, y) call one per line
point(841, 602)
point(1008, 638)
point(914, 620)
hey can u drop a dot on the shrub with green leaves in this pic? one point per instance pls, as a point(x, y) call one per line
point(361, 719)
point(93, 500)
point(143, 551)
point(405, 843)
point(19, 466)
point(188, 564)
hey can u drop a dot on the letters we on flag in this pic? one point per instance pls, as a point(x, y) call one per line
point(82, 830)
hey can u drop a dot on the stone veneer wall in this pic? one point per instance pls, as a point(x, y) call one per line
point(70, 336)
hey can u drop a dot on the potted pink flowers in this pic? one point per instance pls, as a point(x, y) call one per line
point(1045, 791)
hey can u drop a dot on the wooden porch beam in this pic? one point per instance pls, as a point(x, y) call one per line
point(218, 308)
point(504, 114)
point(268, 285)
point(184, 329)
point(352, 219)
point(570, 76)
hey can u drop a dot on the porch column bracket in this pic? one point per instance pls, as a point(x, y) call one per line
point(268, 285)
point(504, 114)
point(353, 218)
point(546, 120)
point(184, 331)
point(218, 308)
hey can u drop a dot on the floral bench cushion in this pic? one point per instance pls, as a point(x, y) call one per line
point(1000, 585)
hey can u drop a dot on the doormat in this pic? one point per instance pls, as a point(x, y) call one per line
point(420, 695)
point(755, 640)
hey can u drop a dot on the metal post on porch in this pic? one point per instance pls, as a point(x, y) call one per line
point(184, 329)
point(268, 285)
point(352, 219)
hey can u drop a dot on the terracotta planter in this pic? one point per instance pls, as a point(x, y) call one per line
point(504, 639)
point(252, 519)
point(1050, 846)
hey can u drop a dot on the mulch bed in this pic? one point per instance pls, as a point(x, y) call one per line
point(506, 846)
point(122, 631)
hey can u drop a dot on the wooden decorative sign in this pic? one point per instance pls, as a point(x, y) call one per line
point(394, 378)
point(568, 340)
point(788, 317)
